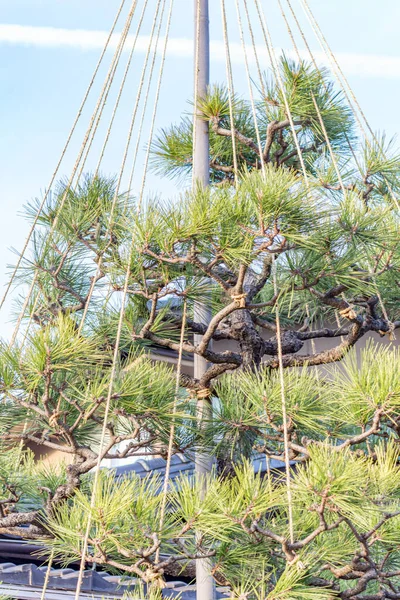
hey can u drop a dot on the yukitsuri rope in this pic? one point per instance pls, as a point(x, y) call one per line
point(155, 109)
point(156, 24)
point(172, 430)
point(317, 109)
point(53, 177)
point(112, 75)
point(143, 115)
point(112, 379)
point(107, 83)
point(346, 87)
point(250, 86)
point(337, 318)
point(47, 576)
point(313, 61)
point(284, 410)
point(327, 140)
point(253, 41)
point(115, 363)
point(278, 76)
point(269, 44)
point(337, 68)
point(231, 92)
point(279, 342)
point(117, 102)
point(276, 72)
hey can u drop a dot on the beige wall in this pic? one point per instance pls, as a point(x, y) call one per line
point(48, 455)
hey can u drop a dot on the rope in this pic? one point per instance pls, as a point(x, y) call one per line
point(117, 102)
point(284, 408)
point(269, 45)
point(108, 81)
point(318, 71)
point(317, 109)
point(329, 145)
point(277, 311)
point(196, 85)
point(91, 133)
point(326, 48)
point(253, 41)
point(250, 86)
point(271, 52)
point(172, 431)
point(21, 314)
point(153, 119)
point(271, 60)
point(47, 577)
point(231, 93)
point(346, 87)
point(309, 321)
point(127, 146)
point(113, 71)
point(115, 363)
point(53, 177)
point(142, 119)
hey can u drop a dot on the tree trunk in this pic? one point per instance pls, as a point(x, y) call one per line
point(251, 343)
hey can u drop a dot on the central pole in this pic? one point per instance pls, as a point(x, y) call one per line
point(201, 158)
point(202, 313)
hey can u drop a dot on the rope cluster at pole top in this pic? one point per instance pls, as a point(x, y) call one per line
point(254, 33)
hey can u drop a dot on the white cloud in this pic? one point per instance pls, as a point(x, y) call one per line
point(363, 65)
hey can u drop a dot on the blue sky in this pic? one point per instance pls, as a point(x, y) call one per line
point(49, 49)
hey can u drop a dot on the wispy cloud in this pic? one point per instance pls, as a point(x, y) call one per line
point(371, 65)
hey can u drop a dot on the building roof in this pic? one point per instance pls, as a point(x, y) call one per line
point(182, 465)
point(26, 582)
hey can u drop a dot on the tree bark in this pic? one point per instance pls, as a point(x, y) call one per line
point(251, 343)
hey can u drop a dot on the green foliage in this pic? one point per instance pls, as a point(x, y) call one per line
point(256, 413)
point(301, 83)
point(362, 391)
point(324, 251)
point(117, 504)
point(244, 519)
point(84, 212)
point(25, 482)
point(172, 150)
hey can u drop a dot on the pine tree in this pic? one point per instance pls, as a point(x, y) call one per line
point(258, 240)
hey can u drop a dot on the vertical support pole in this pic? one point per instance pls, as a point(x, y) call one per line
point(201, 158)
point(202, 313)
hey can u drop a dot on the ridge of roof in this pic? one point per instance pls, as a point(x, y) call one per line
point(181, 464)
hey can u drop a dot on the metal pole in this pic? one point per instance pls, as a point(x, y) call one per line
point(201, 158)
point(201, 147)
point(202, 313)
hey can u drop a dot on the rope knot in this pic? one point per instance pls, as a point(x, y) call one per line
point(203, 393)
point(348, 313)
point(54, 418)
point(155, 579)
point(240, 299)
point(342, 571)
point(389, 332)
